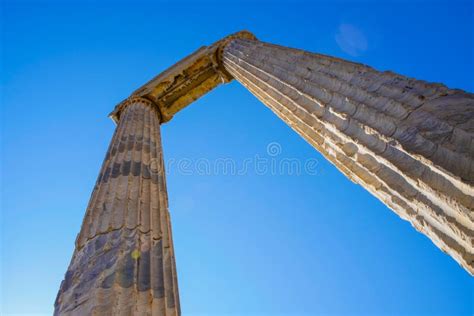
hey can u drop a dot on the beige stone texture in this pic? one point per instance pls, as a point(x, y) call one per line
point(124, 261)
point(408, 142)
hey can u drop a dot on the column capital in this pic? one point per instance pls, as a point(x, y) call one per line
point(115, 115)
point(187, 80)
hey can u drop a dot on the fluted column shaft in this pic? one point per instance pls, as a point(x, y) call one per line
point(124, 261)
point(410, 143)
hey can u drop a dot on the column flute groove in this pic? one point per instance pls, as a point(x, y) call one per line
point(408, 142)
point(393, 167)
point(123, 263)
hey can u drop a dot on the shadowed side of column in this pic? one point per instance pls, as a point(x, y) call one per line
point(408, 142)
point(124, 261)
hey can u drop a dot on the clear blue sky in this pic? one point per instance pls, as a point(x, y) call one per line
point(245, 245)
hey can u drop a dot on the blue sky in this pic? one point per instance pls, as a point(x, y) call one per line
point(271, 244)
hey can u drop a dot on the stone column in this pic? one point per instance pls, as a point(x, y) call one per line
point(124, 261)
point(409, 142)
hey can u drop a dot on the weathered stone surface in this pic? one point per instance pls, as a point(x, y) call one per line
point(189, 79)
point(124, 260)
point(408, 142)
